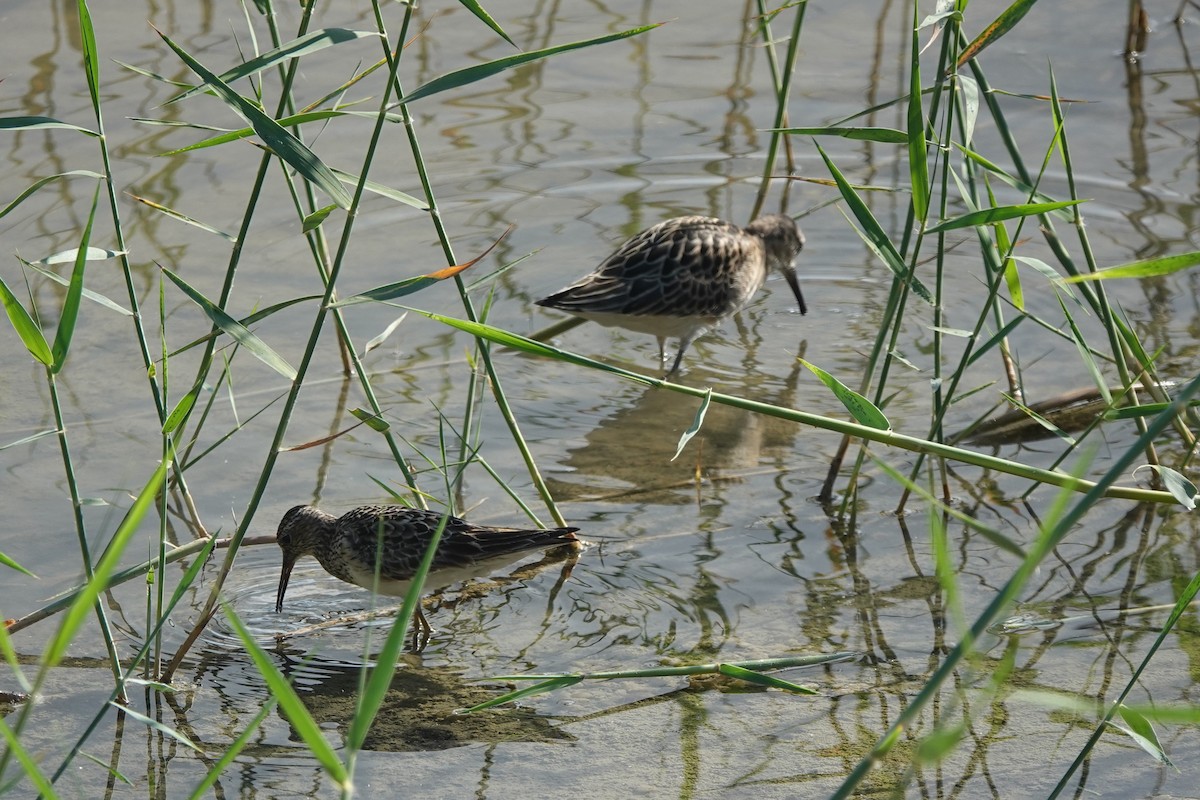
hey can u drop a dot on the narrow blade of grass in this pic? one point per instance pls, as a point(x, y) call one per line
point(31, 335)
point(165, 730)
point(88, 595)
point(759, 679)
point(27, 762)
point(70, 308)
point(542, 687)
point(986, 216)
point(23, 196)
point(881, 135)
point(469, 75)
point(1180, 487)
point(486, 19)
point(1149, 268)
point(236, 330)
point(175, 215)
point(697, 422)
point(872, 231)
point(918, 166)
point(36, 123)
point(293, 707)
point(11, 564)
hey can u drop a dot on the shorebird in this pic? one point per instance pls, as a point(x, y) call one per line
point(391, 540)
point(681, 277)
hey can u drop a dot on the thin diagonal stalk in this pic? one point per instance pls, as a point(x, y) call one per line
point(782, 80)
point(485, 355)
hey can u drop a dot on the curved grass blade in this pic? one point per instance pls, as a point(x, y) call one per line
point(987, 216)
point(34, 123)
point(410, 285)
point(486, 19)
point(236, 330)
point(383, 191)
point(165, 730)
point(293, 707)
point(23, 196)
point(759, 679)
point(862, 409)
point(31, 438)
point(697, 422)
point(1142, 732)
point(1000, 26)
point(225, 135)
point(1180, 487)
point(173, 214)
point(31, 335)
point(294, 152)
point(1149, 268)
point(91, 58)
point(70, 309)
point(308, 43)
point(478, 72)
point(87, 293)
point(28, 763)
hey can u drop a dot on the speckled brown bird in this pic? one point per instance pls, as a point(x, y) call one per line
point(681, 277)
point(348, 547)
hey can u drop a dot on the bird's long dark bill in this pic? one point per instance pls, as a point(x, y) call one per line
point(283, 582)
point(790, 275)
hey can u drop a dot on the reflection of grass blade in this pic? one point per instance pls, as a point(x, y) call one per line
point(697, 422)
point(478, 72)
point(294, 152)
point(236, 330)
point(70, 309)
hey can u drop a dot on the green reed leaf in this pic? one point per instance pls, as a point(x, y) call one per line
point(999, 26)
point(988, 216)
point(31, 335)
point(70, 309)
point(308, 43)
point(1149, 268)
point(486, 19)
point(294, 152)
point(881, 135)
point(236, 330)
point(862, 409)
point(469, 75)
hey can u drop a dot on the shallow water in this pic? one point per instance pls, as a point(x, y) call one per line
point(739, 563)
